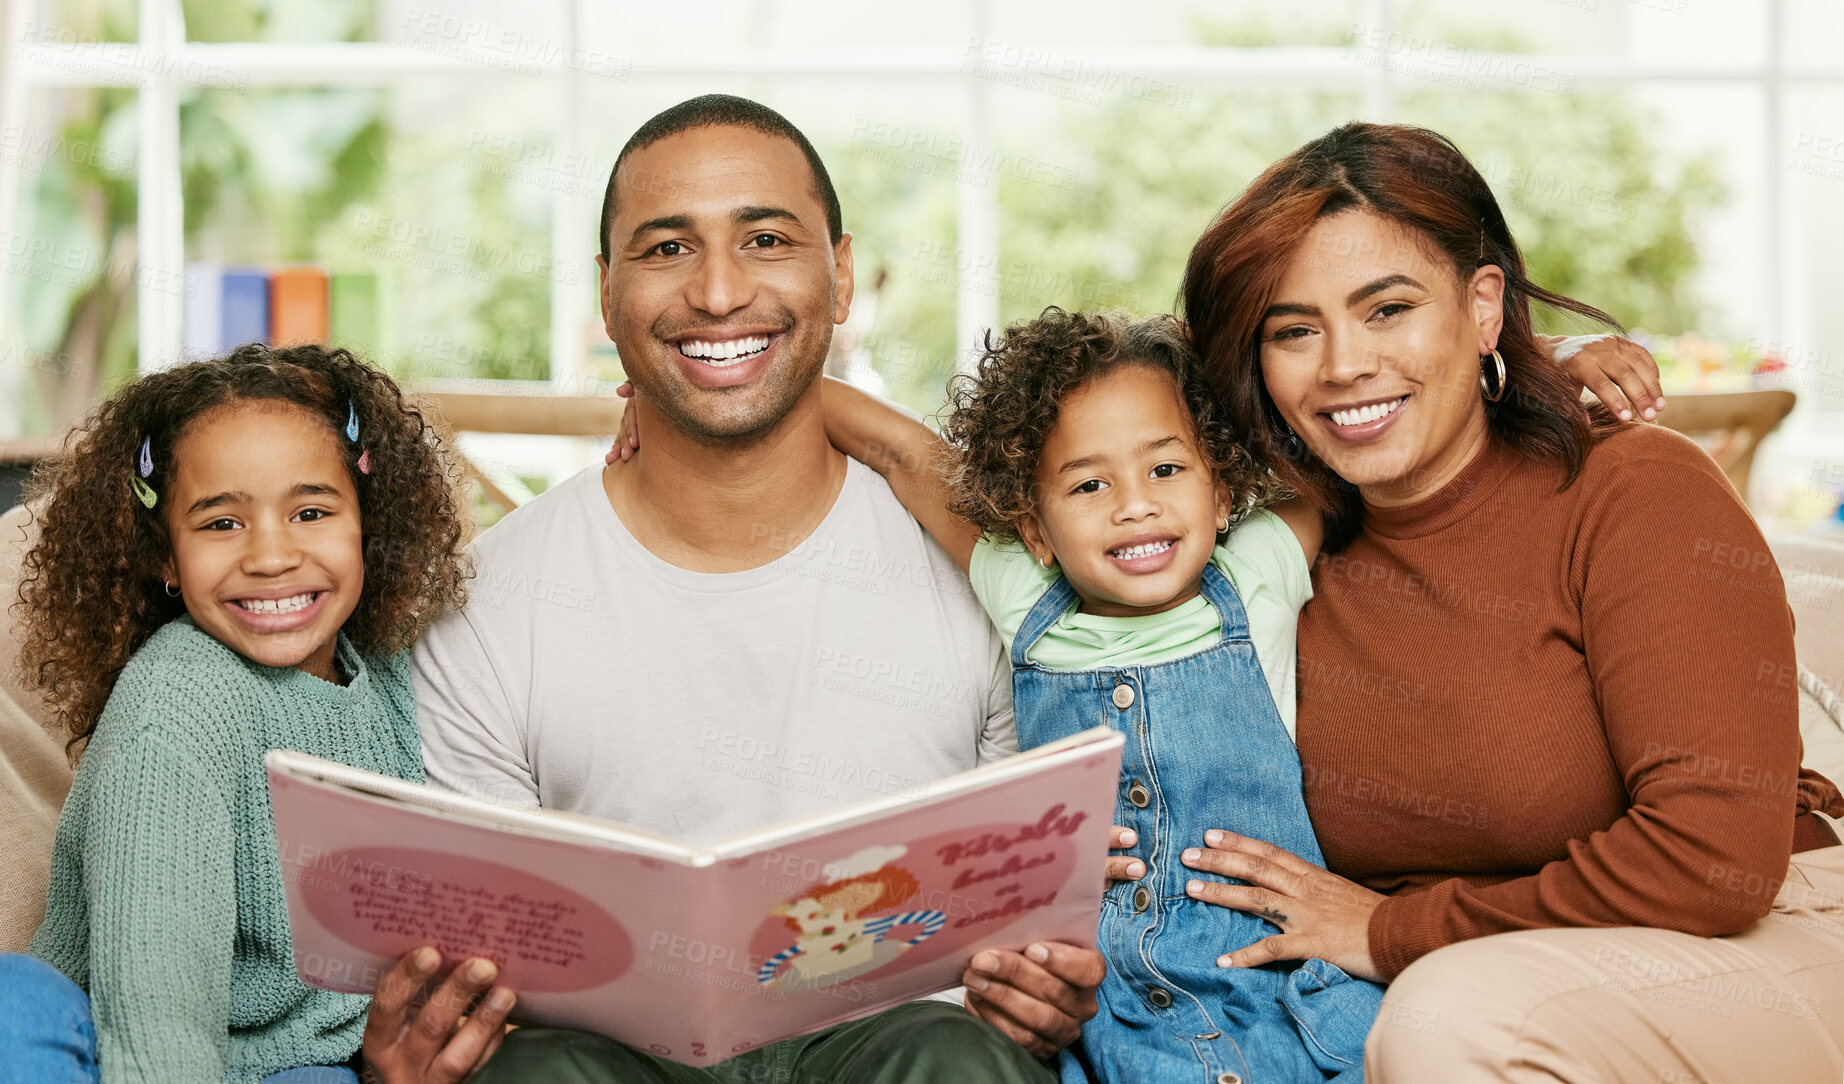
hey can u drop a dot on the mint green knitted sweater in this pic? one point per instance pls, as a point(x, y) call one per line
point(166, 899)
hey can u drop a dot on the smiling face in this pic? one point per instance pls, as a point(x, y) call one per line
point(722, 285)
point(267, 548)
point(1370, 350)
point(1126, 502)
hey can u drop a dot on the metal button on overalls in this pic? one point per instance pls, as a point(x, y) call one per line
point(1123, 696)
point(1138, 794)
point(1228, 1078)
point(1160, 997)
point(1141, 899)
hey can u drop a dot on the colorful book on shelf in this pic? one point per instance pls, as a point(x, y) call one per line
point(696, 953)
point(298, 306)
point(244, 309)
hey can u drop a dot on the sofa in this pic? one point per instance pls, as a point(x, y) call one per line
point(34, 774)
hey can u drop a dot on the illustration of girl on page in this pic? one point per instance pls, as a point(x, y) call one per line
point(834, 942)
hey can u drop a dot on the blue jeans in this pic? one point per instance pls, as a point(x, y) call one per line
point(48, 1037)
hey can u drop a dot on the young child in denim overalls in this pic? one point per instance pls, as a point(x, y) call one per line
point(1092, 501)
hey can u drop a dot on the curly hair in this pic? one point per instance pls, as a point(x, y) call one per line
point(1003, 412)
point(91, 590)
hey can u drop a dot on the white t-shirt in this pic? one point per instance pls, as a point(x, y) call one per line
point(587, 675)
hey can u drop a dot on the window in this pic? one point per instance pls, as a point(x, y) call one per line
point(1676, 163)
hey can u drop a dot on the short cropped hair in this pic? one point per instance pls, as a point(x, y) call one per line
point(724, 110)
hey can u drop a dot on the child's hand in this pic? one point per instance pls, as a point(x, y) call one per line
point(1123, 867)
point(627, 439)
point(1620, 372)
point(434, 1044)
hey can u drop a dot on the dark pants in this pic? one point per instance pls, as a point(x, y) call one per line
point(918, 1043)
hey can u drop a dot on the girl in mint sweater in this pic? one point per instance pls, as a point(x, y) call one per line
point(233, 555)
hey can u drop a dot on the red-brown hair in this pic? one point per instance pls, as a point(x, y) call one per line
point(1421, 181)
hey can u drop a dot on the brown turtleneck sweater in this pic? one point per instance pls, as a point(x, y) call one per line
point(1523, 707)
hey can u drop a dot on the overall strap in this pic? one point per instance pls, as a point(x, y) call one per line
point(1054, 604)
point(1222, 595)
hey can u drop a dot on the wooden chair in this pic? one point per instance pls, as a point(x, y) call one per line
point(459, 408)
point(1729, 425)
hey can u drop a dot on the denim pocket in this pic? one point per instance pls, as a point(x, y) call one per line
point(1332, 1012)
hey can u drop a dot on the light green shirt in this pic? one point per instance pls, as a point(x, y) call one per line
point(1261, 558)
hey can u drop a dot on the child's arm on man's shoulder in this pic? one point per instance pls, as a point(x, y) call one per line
point(909, 456)
point(1305, 523)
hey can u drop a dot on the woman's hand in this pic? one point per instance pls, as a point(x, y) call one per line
point(434, 1044)
point(1321, 915)
point(627, 438)
point(1123, 867)
point(1619, 371)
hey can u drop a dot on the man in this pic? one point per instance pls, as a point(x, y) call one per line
point(738, 626)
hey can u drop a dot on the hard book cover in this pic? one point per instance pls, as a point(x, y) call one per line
point(696, 954)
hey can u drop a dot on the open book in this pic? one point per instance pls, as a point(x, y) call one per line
point(696, 953)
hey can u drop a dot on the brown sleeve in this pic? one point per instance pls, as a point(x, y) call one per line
point(1689, 640)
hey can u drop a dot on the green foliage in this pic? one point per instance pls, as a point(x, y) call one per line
point(1602, 211)
point(1146, 180)
point(902, 222)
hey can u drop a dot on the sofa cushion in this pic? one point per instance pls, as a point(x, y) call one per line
point(34, 773)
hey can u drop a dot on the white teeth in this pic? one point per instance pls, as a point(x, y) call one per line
point(724, 353)
point(1144, 549)
point(1365, 414)
point(277, 605)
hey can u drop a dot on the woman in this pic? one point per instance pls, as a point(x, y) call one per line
point(1552, 744)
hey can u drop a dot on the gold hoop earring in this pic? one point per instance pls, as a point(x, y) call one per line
point(1492, 396)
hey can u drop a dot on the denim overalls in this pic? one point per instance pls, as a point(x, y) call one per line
point(1205, 749)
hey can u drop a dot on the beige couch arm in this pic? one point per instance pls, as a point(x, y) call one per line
point(1813, 569)
point(34, 774)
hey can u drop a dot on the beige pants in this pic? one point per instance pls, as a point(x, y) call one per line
point(1631, 1005)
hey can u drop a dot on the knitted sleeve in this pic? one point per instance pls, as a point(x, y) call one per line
point(159, 864)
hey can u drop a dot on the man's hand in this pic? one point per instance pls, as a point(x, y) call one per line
point(435, 1044)
point(1040, 997)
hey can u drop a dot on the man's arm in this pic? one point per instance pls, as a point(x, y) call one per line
point(471, 737)
point(907, 454)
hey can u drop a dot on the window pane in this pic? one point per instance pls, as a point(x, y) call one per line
point(521, 36)
point(1103, 203)
point(1093, 24)
point(1719, 32)
point(1628, 200)
point(405, 195)
point(805, 26)
point(1814, 31)
point(1815, 203)
point(74, 22)
point(69, 257)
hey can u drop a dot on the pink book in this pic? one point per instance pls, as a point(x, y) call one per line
point(696, 953)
